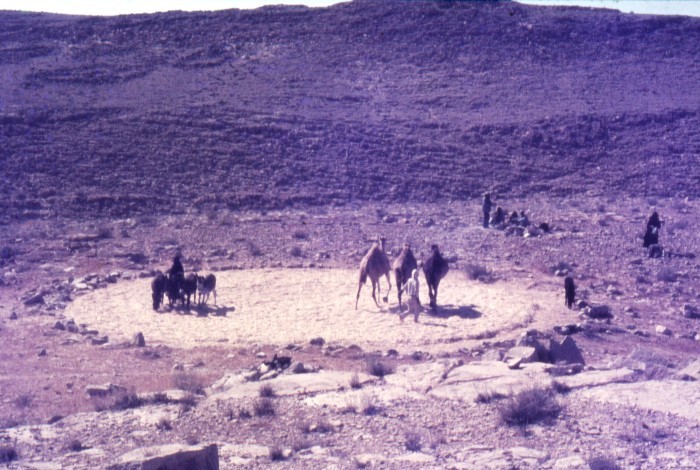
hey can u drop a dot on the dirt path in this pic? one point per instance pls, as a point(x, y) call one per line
point(281, 306)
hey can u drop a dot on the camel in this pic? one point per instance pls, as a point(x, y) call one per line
point(403, 267)
point(435, 268)
point(374, 265)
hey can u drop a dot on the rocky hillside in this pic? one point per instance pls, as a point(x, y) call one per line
point(369, 100)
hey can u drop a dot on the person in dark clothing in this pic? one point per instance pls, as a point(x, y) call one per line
point(651, 237)
point(569, 291)
point(176, 269)
point(486, 207)
point(654, 220)
point(498, 217)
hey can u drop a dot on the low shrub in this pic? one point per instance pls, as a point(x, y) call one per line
point(267, 391)
point(355, 383)
point(74, 445)
point(603, 463)
point(24, 401)
point(379, 369)
point(368, 406)
point(413, 441)
point(188, 382)
point(276, 453)
point(478, 272)
point(488, 397)
point(8, 453)
point(296, 251)
point(264, 407)
point(164, 424)
point(530, 406)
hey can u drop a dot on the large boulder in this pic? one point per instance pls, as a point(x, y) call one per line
point(565, 352)
point(598, 311)
point(170, 457)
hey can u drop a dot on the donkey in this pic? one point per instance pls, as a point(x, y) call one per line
point(205, 286)
point(435, 268)
point(189, 288)
point(159, 285)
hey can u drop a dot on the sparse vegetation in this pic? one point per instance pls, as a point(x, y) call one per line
point(488, 397)
point(253, 249)
point(368, 405)
point(264, 407)
point(355, 383)
point(667, 275)
point(560, 387)
point(74, 445)
point(478, 272)
point(276, 453)
point(603, 463)
point(164, 424)
point(379, 369)
point(267, 391)
point(189, 382)
point(8, 453)
point(24, 401)
point(530, 406)
point(413, 441)
point(296, 251)
point(244, 414)
point(300, 235)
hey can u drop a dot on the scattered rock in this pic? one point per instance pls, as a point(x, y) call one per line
point(692, 370)
point(317, 342)
point(54, 419)
point(103, 390)
point(139, 340)
point(662, 330)
point(99, 341)
point(261, 355)
point(598, 311)
point(36, 299)
point(514, 363)
point(13, 316)
point(568, 329)
point(42, 352)
point(690, 311)
point(59, 326)
point(566, 352)
point(170, 457)
point(522, 353)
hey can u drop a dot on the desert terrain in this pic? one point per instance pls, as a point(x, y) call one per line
point(272, 147)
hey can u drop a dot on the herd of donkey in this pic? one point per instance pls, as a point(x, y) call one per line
point(374, 265)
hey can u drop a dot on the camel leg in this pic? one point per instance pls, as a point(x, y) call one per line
point(358, 295)
point(388, 281)
point(377, 288)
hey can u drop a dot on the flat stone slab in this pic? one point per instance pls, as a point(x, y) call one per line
point(293, 384)
point(169, 457)
point(669, 396)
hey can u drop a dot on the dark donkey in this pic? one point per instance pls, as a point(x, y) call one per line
point(403, 267)
point(435, 268)
point(159, 285)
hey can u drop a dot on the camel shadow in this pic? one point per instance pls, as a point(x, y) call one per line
point(461, 311)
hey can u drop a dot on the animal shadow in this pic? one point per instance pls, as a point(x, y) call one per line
point(461, 311)
point(216, 311)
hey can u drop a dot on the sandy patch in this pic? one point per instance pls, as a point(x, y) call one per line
point(282, 306)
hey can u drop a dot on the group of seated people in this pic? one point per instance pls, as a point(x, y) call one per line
point(515, 218)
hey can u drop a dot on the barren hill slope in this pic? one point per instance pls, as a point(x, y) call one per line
point(369, 100)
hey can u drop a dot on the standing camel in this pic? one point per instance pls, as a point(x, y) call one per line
point(403, 267)
point(375, 264)
point(435, 268)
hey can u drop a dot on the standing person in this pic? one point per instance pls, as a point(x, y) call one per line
point(569, 291)
point(176, 269)
point(654, 220)
point(486, 207)
point(412, 287)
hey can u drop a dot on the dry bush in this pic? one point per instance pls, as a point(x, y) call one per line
point(164, 424)
point(127, 401)
point(264, 407)
point(253, 249)
point(379, 369)
point(74, 445)
point(244, 414)
point(192, 440)
point(276, 453)
point(267, 391)
point(368, 406)
point(413, 441)
point(488, 397)
point(478, 272)
point(530, 406)
point(8, 453)
point(666, 274)
point(24, 401)
point(105, 232)
point(321, 426)
point(188, 382)
point(355, 383)
point(603, 463)
point(560, 387)
point(296, 251)
point(300, 235)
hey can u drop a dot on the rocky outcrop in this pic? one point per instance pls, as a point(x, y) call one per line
point(170, 457)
